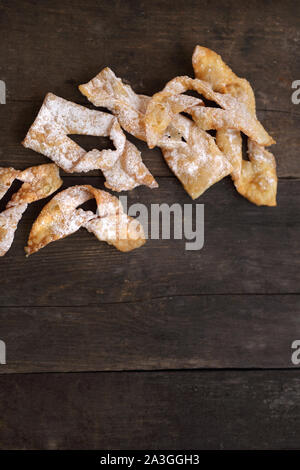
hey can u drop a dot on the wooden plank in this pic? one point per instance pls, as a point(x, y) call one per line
point(170, 333)
point(16, 118)
point(81, 37)
point(247, 249)
point(79, 305)
point(180, 410)
point(157, 46)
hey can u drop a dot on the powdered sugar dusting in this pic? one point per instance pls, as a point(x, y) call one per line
point(39, 182)
point(183, 144)
point(257, 179)
point(59, 118)
point(9, 220)
point(61, 217)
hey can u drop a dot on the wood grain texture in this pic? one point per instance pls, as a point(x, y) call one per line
point(82, 306)
point(247, 249)
point(54, 46)
point(154, 410)
point(170, 333)
point(147, 43)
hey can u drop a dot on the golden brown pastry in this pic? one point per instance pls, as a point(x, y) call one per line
point(38, 182)
point(234, 115)
point(123, 167)
point(191, 153)
point(255, 179)
point(7, 177)
point(258, 180)
point(62, 216)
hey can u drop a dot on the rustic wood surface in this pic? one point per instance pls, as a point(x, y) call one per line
point(151, 410)
point(183, 332)
point(140, 331)
point(247, 250)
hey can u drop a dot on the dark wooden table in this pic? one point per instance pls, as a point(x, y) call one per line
point(160, 348)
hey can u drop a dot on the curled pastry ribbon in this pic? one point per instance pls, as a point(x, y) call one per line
point(234, 115)
point(190, 152)
point(63, 216)
point(255, 179)
point(38, 182)
point(123, 167)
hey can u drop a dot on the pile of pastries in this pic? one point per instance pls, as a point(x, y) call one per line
point(178, 123)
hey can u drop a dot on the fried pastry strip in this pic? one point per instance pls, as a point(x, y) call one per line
point(198, 162)
point(256, 180)
point(230, 143)
point(7, 177)
point(38, 182)
point(61, 217)
point(234, 115)
point(190, 153)
point(123, 168)
point(106, 90)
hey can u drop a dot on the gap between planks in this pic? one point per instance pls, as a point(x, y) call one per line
point(204, 370)
point(166, 297)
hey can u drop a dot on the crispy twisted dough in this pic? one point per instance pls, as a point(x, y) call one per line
point(61, 217)
point(7, 177)
point(38, 182)
point(255, 179)
point(123, 168)
point(234, 115)
point(106, 90)
point(190, 152)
